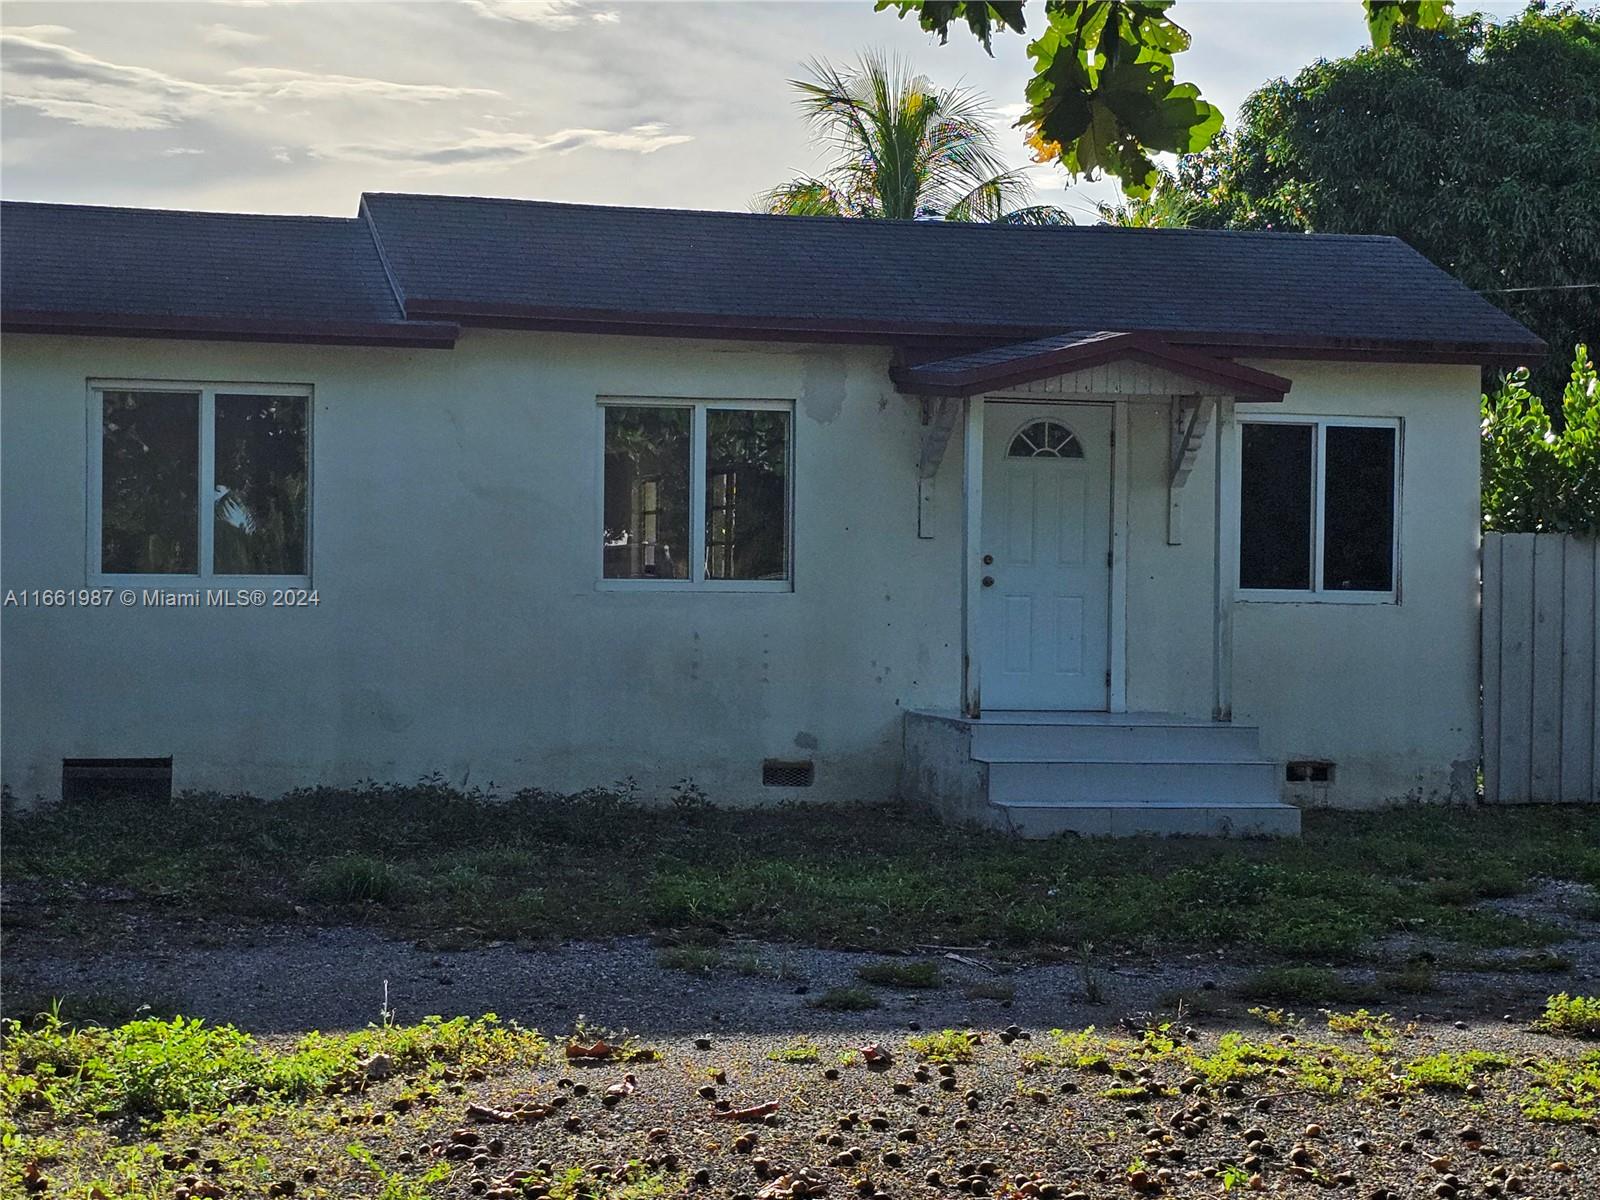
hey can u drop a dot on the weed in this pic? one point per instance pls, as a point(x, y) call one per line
point(898, 973)
point(1451, 1071)
point(753, 966)
point(1273, 1018)
point(1376, 1029)
point(1572, 1016)
point(845, 999)
point(1564, 1091)
point(799, 1051)
point(1090, 982)
point(948, 1046)
point(393, 1185)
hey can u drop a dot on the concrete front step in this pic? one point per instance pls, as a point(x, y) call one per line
point(1074, 783)
point(1144, 742)
point(1149, 820)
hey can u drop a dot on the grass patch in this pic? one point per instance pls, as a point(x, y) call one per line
point(845, 999)
point(1299, 985)
point(426, 860)
point(1413, 979)
point(898, 973)
point(799, 1051)
point(990, 990)
point(947, 1046)
point(1571, 1016)
point(696, 960)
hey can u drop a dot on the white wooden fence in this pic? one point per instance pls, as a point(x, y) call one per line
point(1541, 672)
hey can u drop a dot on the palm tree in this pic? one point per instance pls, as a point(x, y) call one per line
point(907, 151)
point(1166, 207)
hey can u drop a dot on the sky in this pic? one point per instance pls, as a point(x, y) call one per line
point(298, 106)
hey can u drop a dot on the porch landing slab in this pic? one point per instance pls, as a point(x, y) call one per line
point(1097, 774)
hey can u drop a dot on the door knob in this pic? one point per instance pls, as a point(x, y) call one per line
point(988, 581)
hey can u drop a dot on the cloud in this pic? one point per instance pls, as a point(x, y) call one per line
point(179, 151)
point(547, 14)
point(69, 85)
point(227, 35)
point(41, 33)
point(493, 149)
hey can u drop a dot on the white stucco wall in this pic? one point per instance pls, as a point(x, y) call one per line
point(460, 629)
point(1387, 692)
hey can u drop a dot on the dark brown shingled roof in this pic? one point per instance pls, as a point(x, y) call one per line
point(410, 267)
point(155, 273)
point(552, 265)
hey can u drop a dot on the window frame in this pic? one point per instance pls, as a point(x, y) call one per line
point(1317, 593)
point(697, 581)
point(208, 391)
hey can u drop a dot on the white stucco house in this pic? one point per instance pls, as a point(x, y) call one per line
point(1079, 529)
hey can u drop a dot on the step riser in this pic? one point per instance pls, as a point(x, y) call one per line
point(1139, 743)
point(1151, 821)
point(1067, 783)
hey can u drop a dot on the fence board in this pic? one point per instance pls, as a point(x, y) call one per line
point(1516, 665)
point(1492, 573)
point(1541, 668)
point(1579, 715)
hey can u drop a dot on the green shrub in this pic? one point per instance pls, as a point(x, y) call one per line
point(1536, 478)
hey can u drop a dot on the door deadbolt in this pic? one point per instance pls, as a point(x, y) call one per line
point(988, 560)
point(988, 581)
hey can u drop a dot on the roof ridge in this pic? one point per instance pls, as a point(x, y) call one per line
point(174, 212)
point(895, 223)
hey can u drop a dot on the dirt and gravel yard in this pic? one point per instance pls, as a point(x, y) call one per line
point(869, 1006)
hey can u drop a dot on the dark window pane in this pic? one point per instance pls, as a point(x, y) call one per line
point(1275, 506)
point(259, 526)
point(149, 483)
point(747, 509)
point(1358, 510)
point(647, 492)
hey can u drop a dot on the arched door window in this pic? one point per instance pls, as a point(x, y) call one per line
point(1045, 439)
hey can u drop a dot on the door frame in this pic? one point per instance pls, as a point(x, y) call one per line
point(972, 537)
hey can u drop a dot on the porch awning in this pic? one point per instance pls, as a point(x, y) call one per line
point(1023, 362)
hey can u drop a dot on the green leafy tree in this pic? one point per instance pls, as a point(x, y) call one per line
point(907, 150)
point(1478, 144)
point(1537, 478)
point(1104, 95)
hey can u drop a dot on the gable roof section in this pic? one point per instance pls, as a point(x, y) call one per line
point(1023, 362)
point(534, 264)
point(409, 269)
point(68, 268)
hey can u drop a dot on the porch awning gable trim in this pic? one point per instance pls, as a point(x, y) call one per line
point(1024, 362)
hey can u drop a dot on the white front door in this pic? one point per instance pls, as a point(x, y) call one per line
point(1045, 600)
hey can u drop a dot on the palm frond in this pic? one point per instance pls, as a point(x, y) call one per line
point(803, 198)
point(1037, 214)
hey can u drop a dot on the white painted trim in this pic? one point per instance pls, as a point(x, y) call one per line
point(698, 407)
point(1319, 424)
point(1225, 567)
point(971, 557)
point(1121, 458)
point(205, 529)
